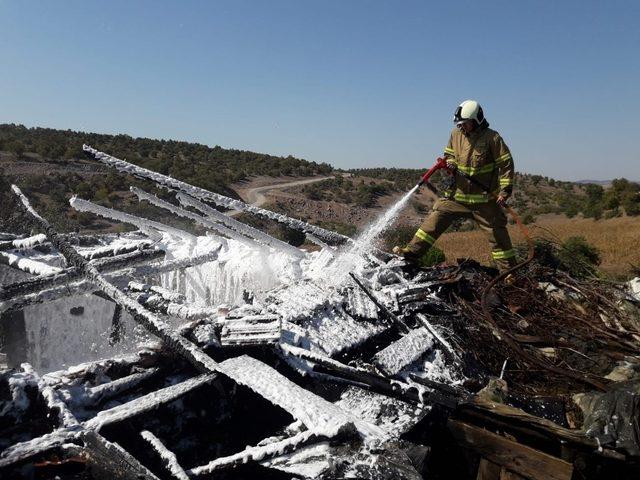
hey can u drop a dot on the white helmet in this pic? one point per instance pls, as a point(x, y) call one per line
point(468, 110)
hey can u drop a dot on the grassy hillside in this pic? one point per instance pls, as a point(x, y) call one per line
point(50, 165)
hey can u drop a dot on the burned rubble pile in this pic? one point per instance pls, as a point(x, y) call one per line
point(236, 355)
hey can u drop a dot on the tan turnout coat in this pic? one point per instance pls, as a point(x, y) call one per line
point(483, 155)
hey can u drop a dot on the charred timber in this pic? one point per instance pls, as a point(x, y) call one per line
point(259, 453)
point(220, 223)
point(168, 458)
point(383, 310)
point(28, 265)
point(150, 228)
point(202, 194)
point(394, 388)
point(60, 289)
point(23, 243)
point(110, 264)
point(151, 322)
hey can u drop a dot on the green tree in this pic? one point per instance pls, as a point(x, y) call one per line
point(17, 147)
point(630, 201)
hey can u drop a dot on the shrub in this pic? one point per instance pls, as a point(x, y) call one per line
point(433, 256)
point(528, 218)
point(577, 251)
point(631, 203)
point(575, 256)
point(592, 210)
point(571, 210)
point(612, 213)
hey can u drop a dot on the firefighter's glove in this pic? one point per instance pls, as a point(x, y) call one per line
point(502, 200)
point(452, 166)
point(503, 196)
point(448, 183)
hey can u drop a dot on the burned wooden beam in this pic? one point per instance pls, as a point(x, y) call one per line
point(448, 349)
point(23, 451)
point(62, 277)
point(110, 460)
point(250, 330)
point(23, 243)
point(166, 294)
point(391, 387)
point(157, 303)
point(28, 265)
point(147, 357)
point(314, 411)
point(169, 459)
point(259, 453)
point(202, 194)
point(111, 389)
point(239, 227)
point(460, 394)
point(171, 265)
point(404, 351)
point(115, 250)
point(383, 309)
point(147, 403)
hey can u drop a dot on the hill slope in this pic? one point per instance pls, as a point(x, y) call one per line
point(51, 166)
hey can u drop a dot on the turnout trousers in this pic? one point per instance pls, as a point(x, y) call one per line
point(489, 217)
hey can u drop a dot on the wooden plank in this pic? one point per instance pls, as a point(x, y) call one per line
point(526, 461)
point(518, 417)
point(315, 412)
point(506, 474)
point(259, 453)
point(404, 351)
point(110, 461)
point(146, 403)
point(167, 457)
point(488, 470)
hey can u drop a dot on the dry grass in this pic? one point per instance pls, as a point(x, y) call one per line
point(616, 238)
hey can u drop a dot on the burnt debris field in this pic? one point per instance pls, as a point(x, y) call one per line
point(164, 354)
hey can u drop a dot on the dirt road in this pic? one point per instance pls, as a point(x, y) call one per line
point(256, 196)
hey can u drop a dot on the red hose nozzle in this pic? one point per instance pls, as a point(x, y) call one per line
point(440, 163)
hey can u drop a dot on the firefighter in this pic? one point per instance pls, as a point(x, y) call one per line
point(480, 152)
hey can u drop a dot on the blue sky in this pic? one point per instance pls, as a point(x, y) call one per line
point(352, 83)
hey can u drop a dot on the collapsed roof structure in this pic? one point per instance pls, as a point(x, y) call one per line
point(266, 361)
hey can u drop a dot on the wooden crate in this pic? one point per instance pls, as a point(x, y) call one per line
point(504, 459)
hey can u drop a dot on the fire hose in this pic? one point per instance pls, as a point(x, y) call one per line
point(441, 164)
